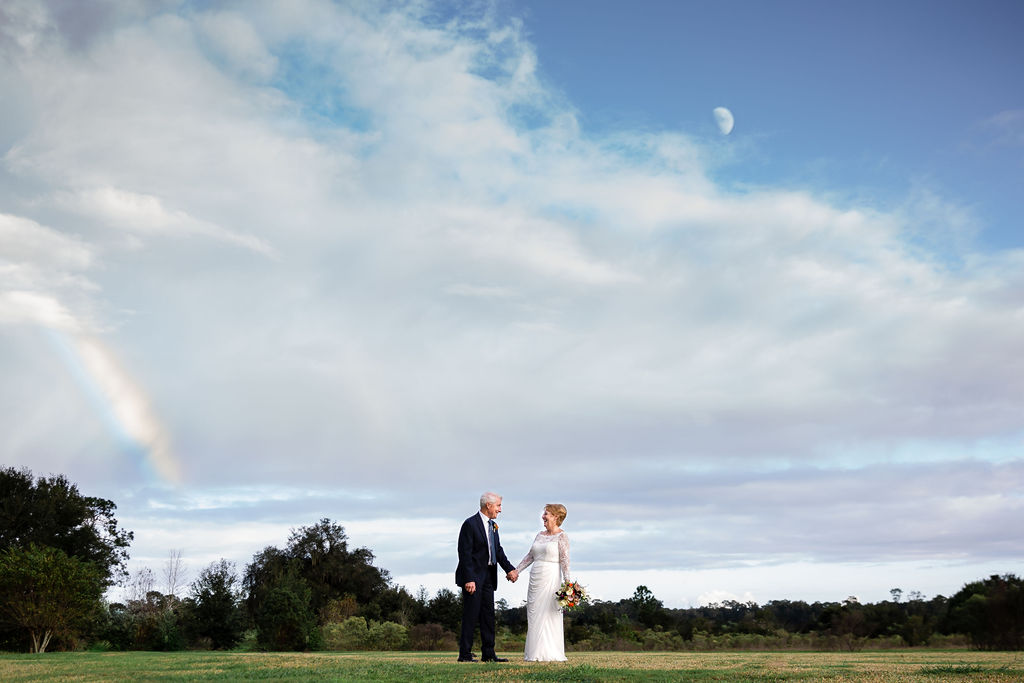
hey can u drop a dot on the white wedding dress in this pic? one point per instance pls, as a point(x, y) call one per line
point(549, 556)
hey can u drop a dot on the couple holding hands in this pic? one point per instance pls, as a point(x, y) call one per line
point(480, 553)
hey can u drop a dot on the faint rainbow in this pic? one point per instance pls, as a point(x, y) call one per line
point(118, 399)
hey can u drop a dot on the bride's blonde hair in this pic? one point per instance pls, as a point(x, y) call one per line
point(558, 510)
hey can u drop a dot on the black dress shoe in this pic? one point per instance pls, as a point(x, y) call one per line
point(471, 659)
point(496, 659)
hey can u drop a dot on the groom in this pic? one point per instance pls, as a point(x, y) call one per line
point(480, 554)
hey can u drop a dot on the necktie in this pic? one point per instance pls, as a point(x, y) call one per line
point(490, 542)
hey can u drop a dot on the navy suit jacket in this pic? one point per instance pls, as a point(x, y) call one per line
point(474, 553)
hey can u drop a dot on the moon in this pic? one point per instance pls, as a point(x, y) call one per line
point(723, 117)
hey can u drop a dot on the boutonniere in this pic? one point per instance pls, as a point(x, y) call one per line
point(495, 527)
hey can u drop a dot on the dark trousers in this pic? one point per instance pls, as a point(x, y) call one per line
point(478, 608)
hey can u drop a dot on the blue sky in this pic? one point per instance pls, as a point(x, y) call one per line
point(261, 265)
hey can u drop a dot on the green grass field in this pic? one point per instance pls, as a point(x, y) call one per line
point(890, 665)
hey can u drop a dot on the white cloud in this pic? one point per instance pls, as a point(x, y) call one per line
point(235, 40)
point(19, 307)
point(23, 241)
point(538, 245)
point(145, 214)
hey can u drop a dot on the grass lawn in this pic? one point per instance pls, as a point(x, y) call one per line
point(934, 666)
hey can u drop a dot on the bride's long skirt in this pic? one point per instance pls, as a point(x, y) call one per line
point(545, 641)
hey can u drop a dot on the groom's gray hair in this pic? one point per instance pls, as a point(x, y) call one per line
point(489, 497)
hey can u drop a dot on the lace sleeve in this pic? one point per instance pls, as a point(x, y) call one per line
point(527, 559)
point(563, 555)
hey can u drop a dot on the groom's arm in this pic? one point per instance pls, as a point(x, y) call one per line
point(502, 560)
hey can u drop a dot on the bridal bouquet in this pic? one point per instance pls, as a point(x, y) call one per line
point(571, 595)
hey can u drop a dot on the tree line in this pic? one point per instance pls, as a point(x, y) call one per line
point(986, 614)
point(61, 551)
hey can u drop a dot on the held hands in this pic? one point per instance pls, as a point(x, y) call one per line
point(470, 586)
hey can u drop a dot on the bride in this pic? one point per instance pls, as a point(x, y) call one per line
point(549, 556)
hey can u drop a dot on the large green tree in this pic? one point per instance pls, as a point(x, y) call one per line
point(332, 568)
point(284, 620)
point(991, 612)
point(50, 511)
point(320, 556)
point(46, 592)
point(216, 612)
